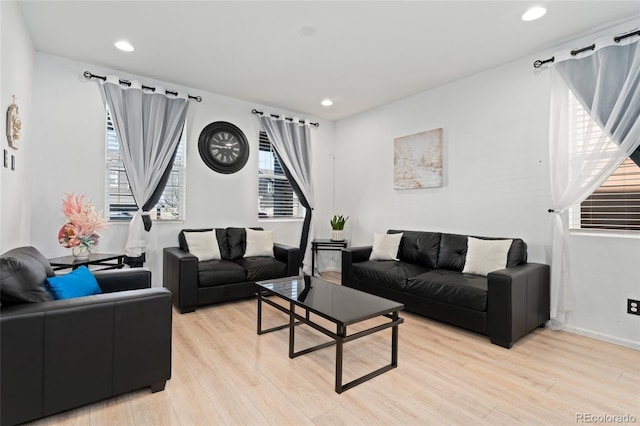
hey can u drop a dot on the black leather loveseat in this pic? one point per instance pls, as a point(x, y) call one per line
point(427, 278)
point(195, 283)
point(56, 355)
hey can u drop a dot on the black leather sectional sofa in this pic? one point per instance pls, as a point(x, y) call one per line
point(233, 277)
point(505, 305)
point(61, 354)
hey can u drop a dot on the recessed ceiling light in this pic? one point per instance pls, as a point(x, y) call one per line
point(326, 102)
point(125, 46)
point(534, 13)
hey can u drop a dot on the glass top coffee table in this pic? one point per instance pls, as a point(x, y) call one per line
point(342, 306)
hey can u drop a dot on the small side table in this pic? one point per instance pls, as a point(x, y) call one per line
point(324, 245)
point(104, 260)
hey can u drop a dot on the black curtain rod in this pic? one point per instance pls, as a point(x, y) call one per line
point(255, 111)
point(89, 75)
point(617, 39)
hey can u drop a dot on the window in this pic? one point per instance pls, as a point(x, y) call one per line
point(276, 198)
point(119, 200)
point(615, 205)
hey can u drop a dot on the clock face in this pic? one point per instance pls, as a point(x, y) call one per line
point(223, 147)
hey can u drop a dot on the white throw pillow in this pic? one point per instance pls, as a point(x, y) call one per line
point(385, 246)
point(203, 245)
point(484, 256)
point(259, 243)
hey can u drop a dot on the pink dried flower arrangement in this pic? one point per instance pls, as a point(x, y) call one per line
point(82, 222)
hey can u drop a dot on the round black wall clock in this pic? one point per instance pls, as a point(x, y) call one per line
point(223, 147)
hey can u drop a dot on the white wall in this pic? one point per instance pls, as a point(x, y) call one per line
point(496, 184)
point(16, 79)
point(69, 136)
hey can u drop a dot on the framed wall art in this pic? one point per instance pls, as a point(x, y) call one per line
point(417, 160)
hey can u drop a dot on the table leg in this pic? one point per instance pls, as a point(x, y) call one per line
point(259, 310)
point(313, 261)
point(341, 332)
point(292, 328)
point(394, 341)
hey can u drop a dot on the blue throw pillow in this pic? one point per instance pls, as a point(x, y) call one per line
point(77, 283)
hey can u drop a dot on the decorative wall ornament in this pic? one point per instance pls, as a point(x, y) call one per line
point(13, 124)
point(417, 160)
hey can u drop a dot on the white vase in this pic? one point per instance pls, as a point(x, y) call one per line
point(337, 235)
point(81, 252)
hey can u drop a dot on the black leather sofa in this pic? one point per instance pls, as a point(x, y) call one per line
point(56, 355)
point(505, 305)
point(233, 277)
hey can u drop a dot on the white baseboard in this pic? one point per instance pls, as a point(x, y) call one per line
point(604, 337)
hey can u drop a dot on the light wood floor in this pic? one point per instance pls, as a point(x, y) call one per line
point(225, 374)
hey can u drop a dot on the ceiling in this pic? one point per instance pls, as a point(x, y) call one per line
point(363, 54)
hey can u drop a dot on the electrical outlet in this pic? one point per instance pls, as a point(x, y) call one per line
point(633, 307)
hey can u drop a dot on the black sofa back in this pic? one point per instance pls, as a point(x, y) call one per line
point(437, 250)
point(231, 241)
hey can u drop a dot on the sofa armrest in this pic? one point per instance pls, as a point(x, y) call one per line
point(518, 301)
point(290, 255)
point(180, 276)
point(350, 256)
point(113, 280)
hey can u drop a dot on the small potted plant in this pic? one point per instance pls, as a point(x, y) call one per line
point(337, 226)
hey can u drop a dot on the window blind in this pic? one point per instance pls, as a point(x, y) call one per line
point(615, 205)
point(276, 198)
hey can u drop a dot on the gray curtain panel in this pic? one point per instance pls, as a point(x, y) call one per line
point(607, 84)
point(149, 126)
point(292, 142)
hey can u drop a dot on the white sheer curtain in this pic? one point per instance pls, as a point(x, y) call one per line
point(149, 126)
point(292, 142)
point(606, 81)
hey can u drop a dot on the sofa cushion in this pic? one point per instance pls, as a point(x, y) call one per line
point(203, 245)
point(23, 272)
point(484, 256)
point(262, 267)
point(221, 235)
point(78, 283)
point(390, 273)
point(259, 243)
point(455, 288)
point(237, 240)
point(453, 252)
point(218, 272)
point(419, 247)
point(453, 249)
point(517, 253)
point(385, 246)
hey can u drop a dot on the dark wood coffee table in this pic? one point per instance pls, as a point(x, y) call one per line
point(340, 305)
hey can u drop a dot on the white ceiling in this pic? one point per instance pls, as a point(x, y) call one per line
point(363, 54)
